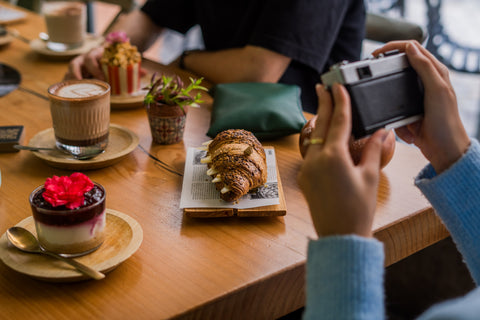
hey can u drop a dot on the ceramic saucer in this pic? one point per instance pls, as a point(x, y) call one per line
point(134, 100)
point(128, 101)
point(121, 142)
point(123, 237)
point(10, 15)
point(40, 47)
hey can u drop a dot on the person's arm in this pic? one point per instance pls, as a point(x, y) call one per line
point(345, 278)
point(454, 195)
point(451, 181)
point(138, 27)
point(345, 265)
point(250, 63)
point(327, 175)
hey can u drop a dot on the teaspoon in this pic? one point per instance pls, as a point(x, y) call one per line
point(44, 36)
point(77, 157)
point(25, 241)
point(20, 147)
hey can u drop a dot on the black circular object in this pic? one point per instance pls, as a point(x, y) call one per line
point(9, 79)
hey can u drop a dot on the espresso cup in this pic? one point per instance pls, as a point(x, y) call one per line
point(80, 111)
point(66, 24)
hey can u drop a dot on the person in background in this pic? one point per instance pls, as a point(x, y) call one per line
point(345, 265)
point(288, 41)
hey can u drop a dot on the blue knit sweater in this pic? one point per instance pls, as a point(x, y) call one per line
point(345, 273)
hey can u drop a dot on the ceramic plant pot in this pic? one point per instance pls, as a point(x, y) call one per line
point(167, 123)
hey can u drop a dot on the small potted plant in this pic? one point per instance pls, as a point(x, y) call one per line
point(167, 102)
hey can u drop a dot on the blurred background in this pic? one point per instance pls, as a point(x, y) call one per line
point(453, 31)
point(452, 27)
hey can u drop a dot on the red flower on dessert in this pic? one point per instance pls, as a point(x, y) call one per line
point(67, 191)
point(117, 37)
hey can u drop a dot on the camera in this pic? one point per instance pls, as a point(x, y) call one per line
point(385, 92)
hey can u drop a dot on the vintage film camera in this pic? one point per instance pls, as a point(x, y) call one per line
point(385, 92)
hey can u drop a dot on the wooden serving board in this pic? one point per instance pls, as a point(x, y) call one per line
point(265, 211)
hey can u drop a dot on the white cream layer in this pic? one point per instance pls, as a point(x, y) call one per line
point(78, 233)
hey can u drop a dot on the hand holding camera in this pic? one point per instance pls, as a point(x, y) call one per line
point(328, 167)
point(440, 135)
point(385, 91)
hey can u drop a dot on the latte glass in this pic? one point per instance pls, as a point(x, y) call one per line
point(80, 112)
point(66, 24)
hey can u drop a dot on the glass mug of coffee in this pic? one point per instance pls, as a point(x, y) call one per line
point(66, 24)
point(80, 111)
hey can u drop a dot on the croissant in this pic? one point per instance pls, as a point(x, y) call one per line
point(237, 163)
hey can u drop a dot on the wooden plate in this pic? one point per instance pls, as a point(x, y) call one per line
point(123, 237)
point(121, 142)
point(131, 101)
point(40, 47)
point(127, 102)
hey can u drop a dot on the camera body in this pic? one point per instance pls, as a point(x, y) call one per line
point(385, 92)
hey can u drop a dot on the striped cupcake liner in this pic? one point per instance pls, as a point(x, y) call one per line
point(123, 80)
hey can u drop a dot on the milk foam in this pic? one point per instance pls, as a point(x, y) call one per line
point(80, 90)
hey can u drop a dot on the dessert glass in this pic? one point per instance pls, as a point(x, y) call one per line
point(80, 112)
point(71, 232)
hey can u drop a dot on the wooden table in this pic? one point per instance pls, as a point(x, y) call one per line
point(185, 268)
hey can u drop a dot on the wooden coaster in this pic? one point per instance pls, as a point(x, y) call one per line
point(121, 142)
point(131, 101)
point(123, 237)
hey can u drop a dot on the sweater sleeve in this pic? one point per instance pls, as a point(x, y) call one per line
point(345, 278)
point(454, 195)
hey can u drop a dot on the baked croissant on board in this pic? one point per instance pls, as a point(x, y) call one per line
point(236, 162)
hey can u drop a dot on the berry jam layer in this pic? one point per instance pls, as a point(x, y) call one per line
point(93, 206)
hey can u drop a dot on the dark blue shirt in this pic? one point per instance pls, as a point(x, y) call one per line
point(314, 33)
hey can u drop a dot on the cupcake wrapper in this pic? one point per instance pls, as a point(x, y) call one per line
point(123, 81)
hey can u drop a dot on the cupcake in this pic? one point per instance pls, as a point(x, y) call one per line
point(121, 64)
point(69, 214)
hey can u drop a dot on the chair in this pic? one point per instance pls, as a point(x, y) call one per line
point(454, 55)
point(383, 29)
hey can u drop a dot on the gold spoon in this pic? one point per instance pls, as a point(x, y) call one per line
point(25, 241)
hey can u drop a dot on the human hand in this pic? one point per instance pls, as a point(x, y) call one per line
point(86, 66)
point(440, 135)
point(341, 196)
